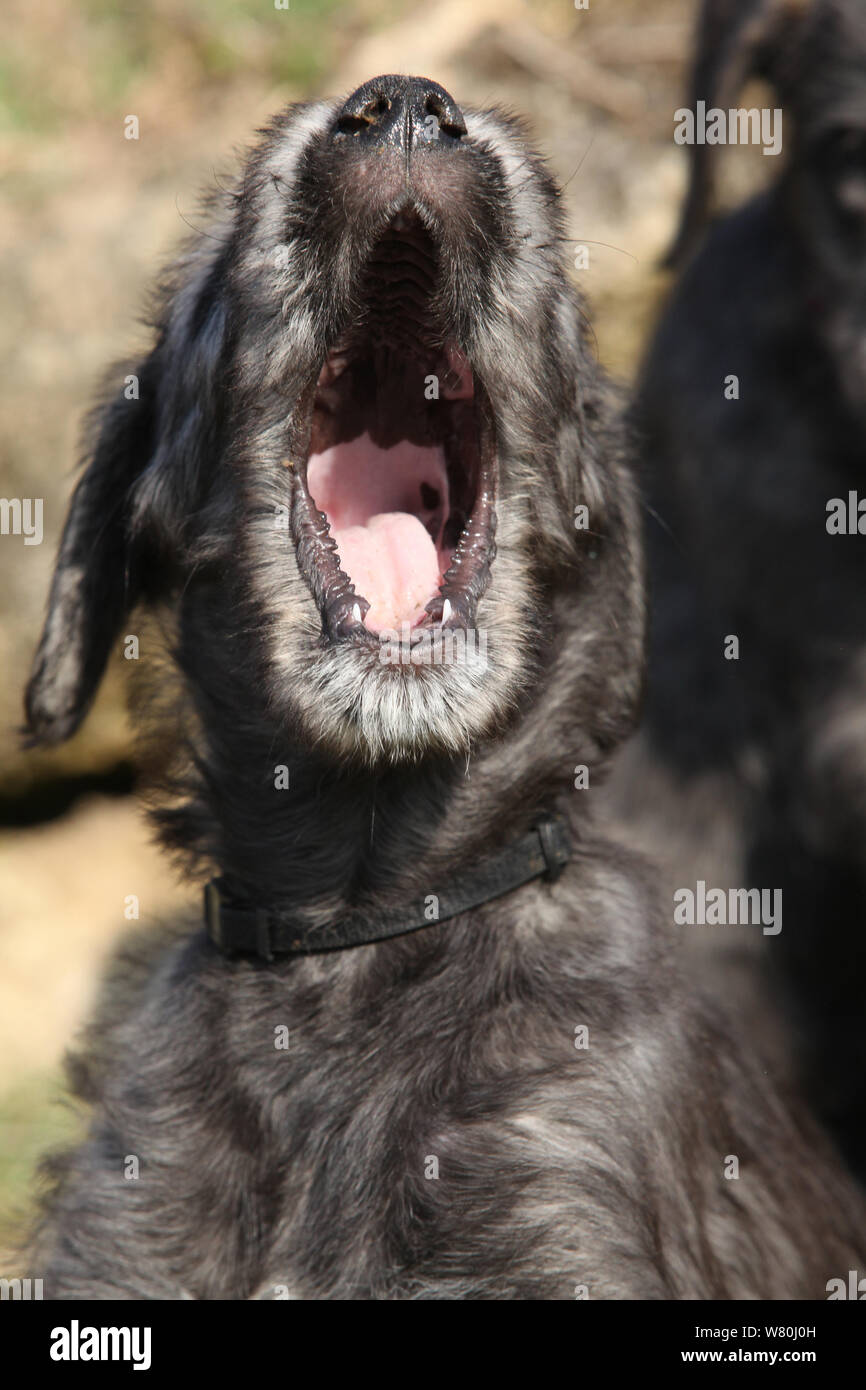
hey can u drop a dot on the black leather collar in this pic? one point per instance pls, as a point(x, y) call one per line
point(236, 926)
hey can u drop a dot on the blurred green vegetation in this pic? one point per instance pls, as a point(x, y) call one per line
point(63, 63)
point(36, 1118)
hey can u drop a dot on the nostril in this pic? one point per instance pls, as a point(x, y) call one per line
point(377, 107)
point(363, 117)
point(348, 125)
point(449, 118)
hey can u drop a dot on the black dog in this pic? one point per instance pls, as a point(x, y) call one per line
point(752, 411)
point(433, 1042)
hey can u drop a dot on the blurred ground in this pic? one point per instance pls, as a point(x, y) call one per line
point(88, 215)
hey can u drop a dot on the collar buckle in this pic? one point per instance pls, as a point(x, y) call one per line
point(213, 915)
point(554, 841)
point(221, 920)
point(264, 945)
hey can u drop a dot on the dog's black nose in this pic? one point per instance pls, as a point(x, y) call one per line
point(407, 112)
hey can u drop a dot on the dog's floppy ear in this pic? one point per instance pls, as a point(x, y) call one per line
point(151, 439)
point(735, 41)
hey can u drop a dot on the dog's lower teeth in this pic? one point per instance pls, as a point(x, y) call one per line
point(446, 610)
point(356, 613)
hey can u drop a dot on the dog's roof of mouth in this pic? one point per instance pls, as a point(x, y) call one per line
point(387, 508)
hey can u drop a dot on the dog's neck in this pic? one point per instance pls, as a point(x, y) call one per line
point(302, 833)
point(316, 840)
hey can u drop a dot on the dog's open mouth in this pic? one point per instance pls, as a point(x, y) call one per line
point(394, 510)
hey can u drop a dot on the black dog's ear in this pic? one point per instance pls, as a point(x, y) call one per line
point(151, 439)
point(735, 40)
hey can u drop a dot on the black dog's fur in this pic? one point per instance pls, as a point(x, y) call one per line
point(308, 1172)
point(738, 491)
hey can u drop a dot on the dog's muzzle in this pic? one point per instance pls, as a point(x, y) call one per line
point(394, 450)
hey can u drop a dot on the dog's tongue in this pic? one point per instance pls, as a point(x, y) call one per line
point(393, 562)
point(384, 509)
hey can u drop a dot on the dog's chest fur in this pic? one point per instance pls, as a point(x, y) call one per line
point(432, 1120)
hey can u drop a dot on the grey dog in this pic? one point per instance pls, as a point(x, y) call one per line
point(752, 489)
point(433, 1041)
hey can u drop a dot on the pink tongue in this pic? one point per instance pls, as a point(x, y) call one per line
point(383, 507)
point(393, 563)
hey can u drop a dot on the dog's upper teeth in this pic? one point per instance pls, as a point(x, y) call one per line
point(356, 613)
point(446, 610)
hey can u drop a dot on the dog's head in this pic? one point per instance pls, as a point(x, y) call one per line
point(813, 55)
point(354, 455)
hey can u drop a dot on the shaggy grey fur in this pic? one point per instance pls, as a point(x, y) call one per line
point(311, 1171)
point(771, 749)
